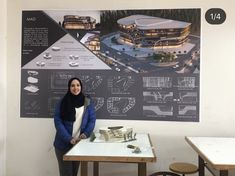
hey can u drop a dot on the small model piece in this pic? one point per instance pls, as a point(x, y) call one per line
point(73, 57)
point(117, 133)
point(136, 148)
point(73, 64)
point(40, 64)
point(55, 48)
point(115, 127)
point(47, 55)
point(32, 80)
point(31, 88)
point(32, 72)
point(92, 137)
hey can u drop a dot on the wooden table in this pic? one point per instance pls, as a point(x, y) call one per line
point(96, 152)
point(215, 152)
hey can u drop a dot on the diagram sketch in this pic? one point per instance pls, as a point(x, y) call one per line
point(188, 97)
point(58, 80)
point(120, 84)
point(158, 96)
point(120, 105)
point(157, 82)
point(98, 102)
point(91, 82)
point(186, 82)
point(187, 110)
point(52, 103)
point(158, 110)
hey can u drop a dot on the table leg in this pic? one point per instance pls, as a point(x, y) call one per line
point(95, 168)
point(223, 173)
point(84, 169)
point(142, 169)
point(201, 166)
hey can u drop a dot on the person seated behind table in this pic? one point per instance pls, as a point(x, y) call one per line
point(74, 120)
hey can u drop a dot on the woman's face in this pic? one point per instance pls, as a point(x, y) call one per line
point(75, 87)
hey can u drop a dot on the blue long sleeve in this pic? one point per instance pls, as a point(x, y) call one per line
point(59, 125)
point(91, 119)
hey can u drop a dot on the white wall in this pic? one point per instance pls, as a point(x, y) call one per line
point(3, 85)
point(29, 141)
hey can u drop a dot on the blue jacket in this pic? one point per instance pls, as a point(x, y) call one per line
point(64, 128)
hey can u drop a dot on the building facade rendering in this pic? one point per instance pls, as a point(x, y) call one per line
point(149, 31)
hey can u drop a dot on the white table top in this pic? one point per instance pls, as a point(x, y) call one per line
point(218, 151)
point(115, 151)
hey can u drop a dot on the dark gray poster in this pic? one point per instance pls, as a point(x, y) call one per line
point(135, 64)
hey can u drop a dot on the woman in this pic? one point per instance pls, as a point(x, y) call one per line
point(74, 120)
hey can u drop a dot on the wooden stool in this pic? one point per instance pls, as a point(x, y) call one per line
point(183, 168)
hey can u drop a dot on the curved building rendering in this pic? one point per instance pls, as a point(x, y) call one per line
point(149, 31)
point(78, 22)
point(93, 43)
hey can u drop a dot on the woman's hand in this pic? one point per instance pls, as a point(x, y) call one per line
point(82, 136)
point(73, 141)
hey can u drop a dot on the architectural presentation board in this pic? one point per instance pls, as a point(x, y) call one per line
point(134, 64)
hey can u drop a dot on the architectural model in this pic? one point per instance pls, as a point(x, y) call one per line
point(117, 133)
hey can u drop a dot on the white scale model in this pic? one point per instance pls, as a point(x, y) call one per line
point(117, 134)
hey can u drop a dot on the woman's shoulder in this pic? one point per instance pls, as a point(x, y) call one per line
point(88, 100)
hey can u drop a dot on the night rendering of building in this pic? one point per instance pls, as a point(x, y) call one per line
point(93, 43)
point(149, 31)
point(78, 22)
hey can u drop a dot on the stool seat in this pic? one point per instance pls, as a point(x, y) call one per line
point(183, 168)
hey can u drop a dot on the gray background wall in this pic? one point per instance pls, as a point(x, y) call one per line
point(28, 142)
